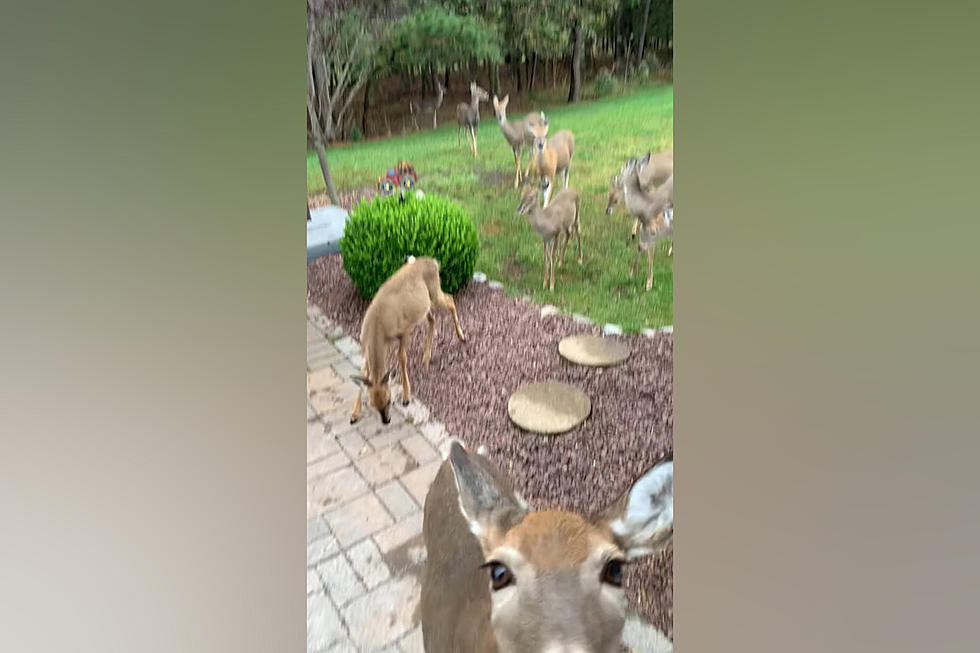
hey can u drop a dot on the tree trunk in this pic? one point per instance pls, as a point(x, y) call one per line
point(534, 65)
point(517, 72)
point(445, 84)
point(327, 179)
point(575, 87)
point(643, 32)
point(495, 78)
point(367, 105)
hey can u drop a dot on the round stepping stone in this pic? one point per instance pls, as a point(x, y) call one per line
point(548, 407)
point(594, 351)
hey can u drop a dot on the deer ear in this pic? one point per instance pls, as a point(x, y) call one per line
point(506, 98)
point(642, 520)
point(486, 501)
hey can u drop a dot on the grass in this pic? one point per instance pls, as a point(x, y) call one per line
point(606, 132)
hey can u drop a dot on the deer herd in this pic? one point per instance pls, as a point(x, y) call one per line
point(499, 577)
point(644, 186)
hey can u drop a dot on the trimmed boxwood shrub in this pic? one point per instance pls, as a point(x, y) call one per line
point(382, 233)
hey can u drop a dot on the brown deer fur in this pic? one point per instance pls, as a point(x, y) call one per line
point(560, 593)
point(560, 217)
point(428, 104)
point(516, 134)
point(468, 115)
point(551, 156)
point(401, 303)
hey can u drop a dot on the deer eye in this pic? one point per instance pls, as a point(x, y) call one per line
point(500, 576)
point(612, 573)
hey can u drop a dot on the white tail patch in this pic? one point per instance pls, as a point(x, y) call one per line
point(411, 259)
point(482, 450)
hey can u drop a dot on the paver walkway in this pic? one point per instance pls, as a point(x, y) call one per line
point(366, 485)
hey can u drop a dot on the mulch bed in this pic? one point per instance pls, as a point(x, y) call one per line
point(509, 343)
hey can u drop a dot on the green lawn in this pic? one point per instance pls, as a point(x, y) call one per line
point(606, 133)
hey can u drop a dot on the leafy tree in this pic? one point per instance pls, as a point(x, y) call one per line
point(340, 55)
point(434, 38)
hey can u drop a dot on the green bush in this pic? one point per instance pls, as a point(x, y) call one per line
point(642, 70)
point(604, 83)
point(355, 133)
point(382, 233)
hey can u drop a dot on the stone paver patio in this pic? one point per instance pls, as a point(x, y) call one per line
point(366, 484)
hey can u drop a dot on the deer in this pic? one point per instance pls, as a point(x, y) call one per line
point(551, 156)
point(468, 115)
point(559, 217)
point(661, 227)
point(401, 303)
point(427, 104)
point(654, 212)
point(654, 169)
point(516, 134)
point(501, 578)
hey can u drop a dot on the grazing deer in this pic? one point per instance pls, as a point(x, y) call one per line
point(551, 156)
point(400, 304)
point(654, 212)
point(427, 104)
point(653, 170)
point(468, 115)
point(661, 227)
point(500, 578)
point(560, 217)
point(516, 134)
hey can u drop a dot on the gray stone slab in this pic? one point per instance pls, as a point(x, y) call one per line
point(324, 231)
point(593, 351)
point(548, 407)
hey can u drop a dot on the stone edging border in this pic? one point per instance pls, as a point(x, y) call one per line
point(548, 310)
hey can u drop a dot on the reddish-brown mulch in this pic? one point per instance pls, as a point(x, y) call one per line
point(509, 343)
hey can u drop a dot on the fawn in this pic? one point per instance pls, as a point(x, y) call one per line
point(560, 217)
point(551, 156)
point(400, 304)
point(516, 134)
point(427, 104)
point(468, 115)
point(500, 578)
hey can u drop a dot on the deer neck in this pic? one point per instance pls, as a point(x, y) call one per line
point(510, 129)
point(474, 104)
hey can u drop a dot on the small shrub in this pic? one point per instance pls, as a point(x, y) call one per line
point(382, 233)
point(355, 133)
point(642, 70)
point(604, 83)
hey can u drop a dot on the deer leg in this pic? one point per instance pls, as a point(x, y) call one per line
point(517, 162)
point(450, 304)
point(403, 364)
point(458, 129)
point(544, 284)
point(564, 249)
point(473, 133)
point(650, 269)
point(434, 119)
point(547, 192)
point(636, 261)
point(356, 412)
point(554, 252)
point(567, 170)
point(636, 225)
point(429, 332)
point(578, 240)
point(670, 249)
